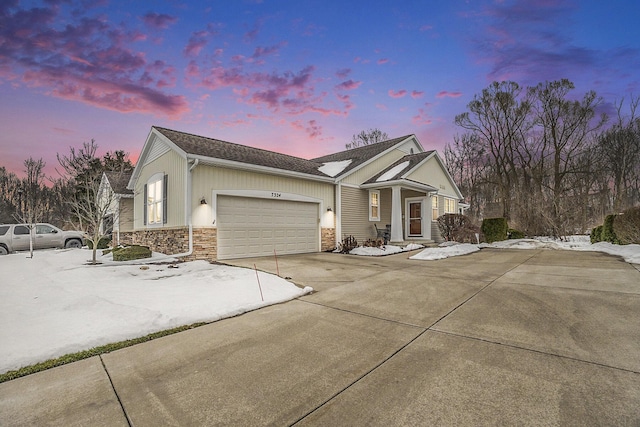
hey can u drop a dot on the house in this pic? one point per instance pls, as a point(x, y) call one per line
point(202, 198)
point(116, 200)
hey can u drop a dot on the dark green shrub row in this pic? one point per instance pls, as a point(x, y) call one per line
point(515, 234)
point(596, 234)
point(103, 243)
point(131, 252)
point(494, 229)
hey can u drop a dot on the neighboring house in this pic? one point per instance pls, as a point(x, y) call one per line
point(203, 198)
point(118, 219)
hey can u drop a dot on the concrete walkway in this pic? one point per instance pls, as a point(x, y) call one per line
point(499, 337)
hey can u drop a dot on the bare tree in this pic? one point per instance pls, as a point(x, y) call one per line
point(90, 203)
point(620, 146)
point(565, 127)
point(31, 207)
point(371, 136)
point(500, 120)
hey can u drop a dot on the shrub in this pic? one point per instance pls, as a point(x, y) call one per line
point(103, 243)
point(494, 229)
point(596, 234)
point(131, 252)
point(515, 234)
point(626, 226)
point(373, 243)
point(457, 227)
point(608, 235)
point(347, 244)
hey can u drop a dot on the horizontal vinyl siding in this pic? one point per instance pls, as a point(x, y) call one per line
point(174, 166)
point(432, 174)
point(126, 214)
point(207, 179)
point(355, 213)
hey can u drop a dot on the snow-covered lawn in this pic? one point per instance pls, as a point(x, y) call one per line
point(630, 253)
point(56, 304)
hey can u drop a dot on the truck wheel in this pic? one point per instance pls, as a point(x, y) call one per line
point(73, 244)
point(3, 250)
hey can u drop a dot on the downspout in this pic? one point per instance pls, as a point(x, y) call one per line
point(338, 213)
point(188, 211)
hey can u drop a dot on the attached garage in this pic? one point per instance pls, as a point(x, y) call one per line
point(250, 227)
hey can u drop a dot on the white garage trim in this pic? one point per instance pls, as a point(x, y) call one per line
point(254, 223)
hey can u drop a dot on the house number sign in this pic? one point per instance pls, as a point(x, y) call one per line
point(276, 195)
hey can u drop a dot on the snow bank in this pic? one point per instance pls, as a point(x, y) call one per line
point(431, 254)
point(630, 253)
point(384, 250)
point(56, 304)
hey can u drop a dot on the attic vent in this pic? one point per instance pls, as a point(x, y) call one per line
point(411, 151)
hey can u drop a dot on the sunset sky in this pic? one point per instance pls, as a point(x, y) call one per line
point(298, 77)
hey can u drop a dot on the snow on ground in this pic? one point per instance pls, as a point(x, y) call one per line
point(630, 253)
point(383, 250)
point(56, 304)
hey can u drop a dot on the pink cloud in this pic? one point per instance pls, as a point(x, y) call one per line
point(381, 107)
point(269, 50)
point(348, 85)
point(397, 94)
point(159, 21)
point(422, 118)
point(196, 43)
point(416, 94)
point(88, 60)
point(447, 94)
point(343, 73)
point(426, 28)
point(382, 61)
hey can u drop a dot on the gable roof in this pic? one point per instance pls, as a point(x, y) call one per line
point(218, 149)
point(118, 182)
point(411, 160)
point(360, 155)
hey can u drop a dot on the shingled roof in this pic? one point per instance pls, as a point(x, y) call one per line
point(412, 161)
point(217, 149)
point(361, 154)
point(118, 182)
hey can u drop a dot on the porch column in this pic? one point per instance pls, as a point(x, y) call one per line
point(396, 215)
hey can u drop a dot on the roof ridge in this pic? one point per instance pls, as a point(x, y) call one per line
point(367, 146)
point(271, 152)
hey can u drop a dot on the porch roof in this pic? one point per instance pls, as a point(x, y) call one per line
point(404, 183)
point(396, 173)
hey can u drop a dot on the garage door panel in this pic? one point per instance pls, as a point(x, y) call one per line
point(255, 227)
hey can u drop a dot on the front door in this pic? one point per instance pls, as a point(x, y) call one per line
point(415, 219)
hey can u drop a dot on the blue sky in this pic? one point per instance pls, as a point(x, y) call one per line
point(295, 77)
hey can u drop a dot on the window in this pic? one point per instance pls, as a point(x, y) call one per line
point(434, 208)
point(3, 229)
point(374, 205)
point(449, 205)
point(156, 200)
point(20, 230)
point(44, 229)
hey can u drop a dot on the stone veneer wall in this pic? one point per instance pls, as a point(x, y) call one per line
point(328, 236)
point(171, 241)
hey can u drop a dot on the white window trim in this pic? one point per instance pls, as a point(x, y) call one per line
point(452, 203)
point(156, 178)
point(371, 216)
point(436, 208)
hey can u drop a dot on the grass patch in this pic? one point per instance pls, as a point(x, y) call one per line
point(96, 351)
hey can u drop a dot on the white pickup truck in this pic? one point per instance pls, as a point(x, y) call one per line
point(15, 237)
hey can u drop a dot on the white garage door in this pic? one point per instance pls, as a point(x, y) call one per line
point(249, 227)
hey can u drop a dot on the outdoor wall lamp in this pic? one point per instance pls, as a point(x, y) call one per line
point(203, 201)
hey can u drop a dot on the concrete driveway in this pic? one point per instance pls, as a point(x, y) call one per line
point(499, 337)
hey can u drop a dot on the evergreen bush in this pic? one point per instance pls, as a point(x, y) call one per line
point(103, 243)
point(494, 229)
point(131, 252)
point(596, 234)
point(515, 234)
point(608, 235)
